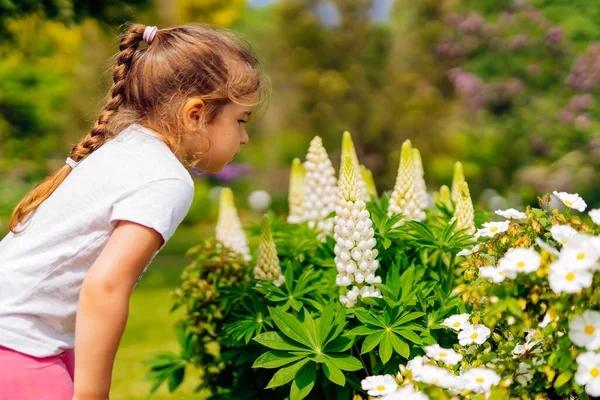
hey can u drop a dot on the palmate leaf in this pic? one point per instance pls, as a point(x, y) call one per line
point(286, 374)
point(275, 359)
point(304, 382)
point(290, 326)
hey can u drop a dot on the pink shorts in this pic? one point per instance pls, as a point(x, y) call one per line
point(24, 377)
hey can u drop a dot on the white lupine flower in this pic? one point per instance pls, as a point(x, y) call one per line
point(474, 334)
point(567, 278)
point(468, 252)
point(496, 274)
point(407, 392)
point(595, 215)
point(545, 246)
point(464, 213)
point(581, 252)
point(296, 192)
point(229, 228)
point(511, 213)
point(379, 385)
point(457, 178)
point(588, 372)
point(369, 291)
point(438, 353)
point(584, 330)
point(457, 322)
point(520, 259)
point(267, 265)
point(421, 186)
point(562, 233)
point(355, 253)
point(491, 229)
point(406, 197)
point(348, 149)
point(480, 379)
point(351, 298)
point(571, 200)
point(320, 189)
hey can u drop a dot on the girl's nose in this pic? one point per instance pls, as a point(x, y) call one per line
point(244, 138)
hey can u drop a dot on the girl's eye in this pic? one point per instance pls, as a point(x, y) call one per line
point(241, 121)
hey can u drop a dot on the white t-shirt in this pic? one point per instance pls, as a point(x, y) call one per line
point(133, 177)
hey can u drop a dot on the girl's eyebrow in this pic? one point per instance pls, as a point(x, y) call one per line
point(247, 113)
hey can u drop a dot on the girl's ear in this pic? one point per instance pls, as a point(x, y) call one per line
point(192, 112)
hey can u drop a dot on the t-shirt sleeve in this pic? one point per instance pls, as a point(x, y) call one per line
point(160, 205)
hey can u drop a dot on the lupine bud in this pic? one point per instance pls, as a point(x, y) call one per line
point(421, 187)
point(405, 198)
point(267, 265)
point(443, 197)
point(229, 228)
point(355, 256)
point(296, 192)
point(459, 176)
point(349, 150)
point(464, 210)
point(369, 181)
point(320, 189)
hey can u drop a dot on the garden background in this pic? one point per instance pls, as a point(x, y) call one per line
point(506, 87)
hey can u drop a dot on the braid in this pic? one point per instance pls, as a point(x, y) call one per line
point(96, 137)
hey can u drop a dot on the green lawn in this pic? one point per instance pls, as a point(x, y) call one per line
point(150, 326)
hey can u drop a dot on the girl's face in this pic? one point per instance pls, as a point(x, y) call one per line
point(221, 140)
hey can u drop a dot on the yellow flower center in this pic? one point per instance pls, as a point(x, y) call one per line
point(494, 229)
point(520, 264)
point(580, 256)
point(456, 324)
point(442, 355)
point(569, 203)
point(563, 241)
point(474, 335)
point(594, 372)
point(380, 387)
point(570, 276)
point(480, 380)
point(500, 273)
point(589, 329)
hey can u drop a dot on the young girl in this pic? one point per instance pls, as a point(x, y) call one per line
point(67, 275)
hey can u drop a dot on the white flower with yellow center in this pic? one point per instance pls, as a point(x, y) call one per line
point(267, 265)
point(562, 233)
point(548, 318)
point(571, 200)
point(511, 213)
point(480, 379)
point(463, 212)
point(438, 353)
point(567, 278)
point(491, 229)
point(379, 385)
point(416, 363)
point(474, 334)
point(584, 330)
point(296, 192)
point(407, 392)
point(496, 274)
point(595, 215)
point(468, 252)
point(320, 189)
point(588, 372)
point(229, 228)
point(457, 322)
point(437, 376)
point(406, 196)
point(528, 346)
point(355, 253)
point(545, 246)
point(520, 260)
point(581, 252)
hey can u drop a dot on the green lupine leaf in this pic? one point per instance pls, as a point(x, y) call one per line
point(274, 359)
point(408, 317)
point(286, 374)
point(310, 328)
point(366, 318)
point(290, 326)
point(340, 344)
point(371, 341)
point(339, 325)
point(361, 330)
point(325, 322)
point(304, 382)
point(277, 341)
point(400, 346)
point(345, 362)
point(410, 335)
point(385, 347)
point(333, 373)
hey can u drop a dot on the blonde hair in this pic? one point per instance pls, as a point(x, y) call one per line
point(151, 84)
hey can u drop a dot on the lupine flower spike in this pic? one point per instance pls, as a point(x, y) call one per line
point(355, 253)
point(459, 176)
point(423, 198)
point(229, 228)
point(405, 197)
point(464, 210)
point(369, 181)
point(443, 197)
point(296, 192)
point(267, 265)
point(349, 150)
point(320, 189)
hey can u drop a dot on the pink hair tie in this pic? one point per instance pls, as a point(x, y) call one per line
point(149, 34)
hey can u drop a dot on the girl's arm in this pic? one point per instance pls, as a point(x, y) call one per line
point(104, 305)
